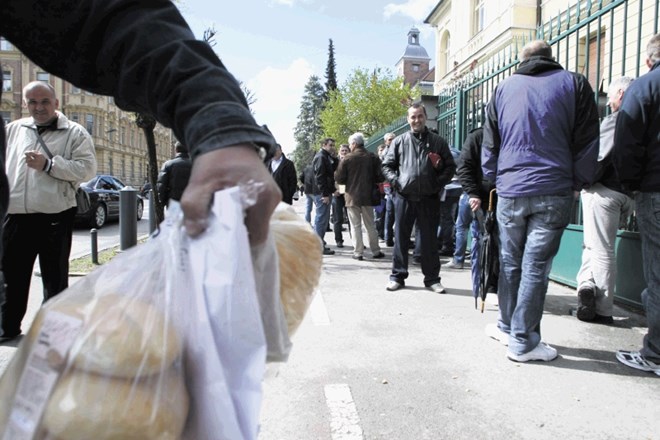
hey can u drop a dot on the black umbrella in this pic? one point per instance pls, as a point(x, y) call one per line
point(489, 260)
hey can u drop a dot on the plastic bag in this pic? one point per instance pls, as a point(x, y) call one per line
point(163, 342)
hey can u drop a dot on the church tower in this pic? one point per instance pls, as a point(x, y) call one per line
point(414, 63)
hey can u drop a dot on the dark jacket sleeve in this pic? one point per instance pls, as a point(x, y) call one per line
point(629, 155)
point(163, 184)
point(390, 164)
point(292, 182)
point(449, 168)
point(492, 142)
point(586, 136)
point(469, 167)
point(144, 55)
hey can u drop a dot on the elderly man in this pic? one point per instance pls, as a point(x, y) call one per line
point(605, 206)
point(540, 156)
point(418, 164)
point(360, 171)
point(636, 158)
point(47, 157)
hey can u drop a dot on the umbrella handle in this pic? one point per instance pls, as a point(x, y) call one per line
point(491, 200)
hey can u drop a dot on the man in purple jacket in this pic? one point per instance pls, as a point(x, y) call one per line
point(541, 148)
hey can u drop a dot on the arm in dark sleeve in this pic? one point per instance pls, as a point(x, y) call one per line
point(469, 166)
point(163, 185)
point(490, 149)
point(629, 152)
point(144, 55)
point(449, 168)
point(292, 179)
point(377, 169)
point(586, 136)
point(320, 177)
point(340, 174)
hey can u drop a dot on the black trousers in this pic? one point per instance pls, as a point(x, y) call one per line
point(426, 214)
point(24, 237)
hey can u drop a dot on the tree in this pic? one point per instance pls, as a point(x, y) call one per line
point(330, 75)
point(366, 102)
point(308, 129)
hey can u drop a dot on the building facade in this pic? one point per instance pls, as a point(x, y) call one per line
point(121, 148)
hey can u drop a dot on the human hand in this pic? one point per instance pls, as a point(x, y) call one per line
point(225, 168)
point(475, 203)
point(35, 160)
point(325, 200)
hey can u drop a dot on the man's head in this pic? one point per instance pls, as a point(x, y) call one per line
point(39, 98)
point(343, 150)
point(388, 138)
point(616, 90)
point(381, 149)
point(536, 48)
point(180, 148)
point(328, 144)
point(278, 151)
point(417, 117)
point(653, 51)
point(356, 140)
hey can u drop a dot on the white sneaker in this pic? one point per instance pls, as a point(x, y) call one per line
point(437, 288)
point(635, 360)
point(393, 285)
point(493, 331)
point(542, 352)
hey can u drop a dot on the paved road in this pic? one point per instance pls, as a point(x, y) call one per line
point(411, 365)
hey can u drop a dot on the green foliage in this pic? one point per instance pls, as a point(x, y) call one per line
point(366, 102)
point(330, 70)
point(308, 129)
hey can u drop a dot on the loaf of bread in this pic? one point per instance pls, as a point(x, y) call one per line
point(299, 250)
point(121, 335)
point(86, 406)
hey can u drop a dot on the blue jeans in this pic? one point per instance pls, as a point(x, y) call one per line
point(322, 218)
point(448, 209)
point(647, 206)
point(426, 213)
point(463, 221)
point(308, 207)
point(530, 233)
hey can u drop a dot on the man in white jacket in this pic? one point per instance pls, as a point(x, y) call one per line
point(42, 202)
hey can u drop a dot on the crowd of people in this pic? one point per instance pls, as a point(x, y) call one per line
point(539, 157)
point(532, 165)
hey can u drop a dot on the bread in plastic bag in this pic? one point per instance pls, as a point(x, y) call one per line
point(300, 253)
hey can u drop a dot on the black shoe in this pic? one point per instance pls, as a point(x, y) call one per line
point(389, 243)
point(358, 257)
point(446, 252)
point(10, 338)
point(327, 251)
point(340, 244)
point(417, 261)
point(602, 319)
point(379, 255)
point(586, 309)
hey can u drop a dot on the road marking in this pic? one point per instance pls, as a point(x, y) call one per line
point(344, 419)
point(318, 311)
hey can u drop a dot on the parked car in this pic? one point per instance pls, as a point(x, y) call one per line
point(103, 192)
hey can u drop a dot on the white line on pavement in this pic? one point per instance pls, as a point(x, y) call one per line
point(318, 311)
point(344, 419)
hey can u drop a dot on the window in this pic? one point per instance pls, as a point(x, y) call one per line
point(6, 81)
point(5, 45)
point(43, 76)
point(111, 133)
point(74, 117)
point(479, 20)
point(6, 116)
point(89, 123)
point(415, 67)
point(122, 136)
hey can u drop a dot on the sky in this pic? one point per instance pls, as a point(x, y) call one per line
point(274, 46)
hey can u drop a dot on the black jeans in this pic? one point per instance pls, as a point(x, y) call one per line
point(338, 204)
point(26, 236)
point(427, 214)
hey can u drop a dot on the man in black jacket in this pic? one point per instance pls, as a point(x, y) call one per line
point(418, 165)
point(145, 56)
point(284, 173)
point(324, 174)
point(174, 175)
point(636, 158)
point(309, 185)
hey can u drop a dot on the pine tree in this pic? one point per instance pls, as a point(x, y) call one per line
point(308, 129)
point(330, 74)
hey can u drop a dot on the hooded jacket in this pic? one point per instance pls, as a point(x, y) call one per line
point(541, 135)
